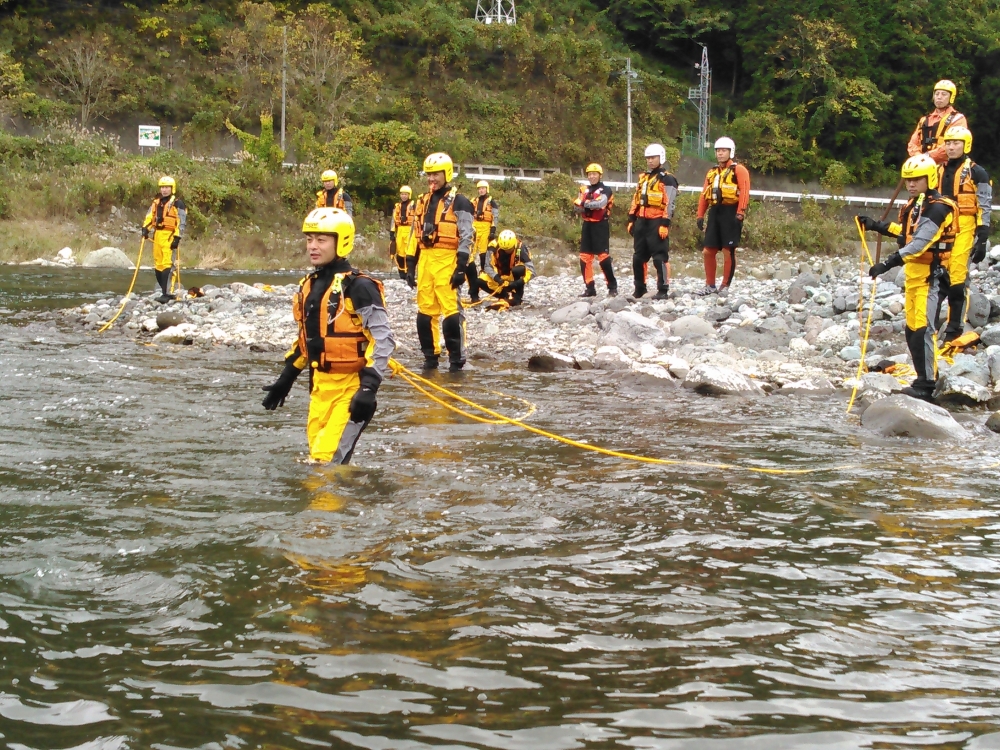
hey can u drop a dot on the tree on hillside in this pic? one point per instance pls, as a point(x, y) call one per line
point(253, 54)
point(13, 88)
point(329, 71)
point(85, 73)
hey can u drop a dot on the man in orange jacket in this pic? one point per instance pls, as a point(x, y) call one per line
point(928, 138)
point(724, 198)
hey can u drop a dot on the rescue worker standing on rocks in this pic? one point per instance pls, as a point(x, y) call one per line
point(486, 214)
point(508, 268)
point(333, 196)
point(442, 237)
point(594, 206)
point(968, 184)
point(926, 232)
point(399, 241)
point(343, 338)
point(722, 207)
point(167, 219)
point(649, 219)
point(928, 138)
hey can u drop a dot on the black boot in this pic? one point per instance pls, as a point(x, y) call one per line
point(924, 394)
point(430, 363)
point(609, 277)
point(453, 330)
point(590, 291)
point(662, 292)
point(425, 335)
point(163, 277)
point(639, 272)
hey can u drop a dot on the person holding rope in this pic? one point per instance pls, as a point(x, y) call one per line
point(486, 214)
point(167, 220)
point(344, 339)
point(649, 219)
point(928, 138)
point(594, 206)
point(441, 235)
point(722, 207)
point(508, 269)
point(399, 232)
point(928, 224)
point(968, 184)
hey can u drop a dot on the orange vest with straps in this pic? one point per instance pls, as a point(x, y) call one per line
point(169, 220)
point(401, 214)
point(340, 328)
point(965, 190)
point(909, 218)
point(483, 208)
point(338, 199)
point(931, 136)
point(595, 214)
point(651, 200)
point(721, 188)
point(445, 232)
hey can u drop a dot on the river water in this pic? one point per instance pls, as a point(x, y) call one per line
point(174, 575)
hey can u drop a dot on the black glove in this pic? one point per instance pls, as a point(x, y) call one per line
point(628, 227)
point(498, 278)
point(493, 234)
point(878, 269)
point(175, 242)
point(979, 249)
point(392, 248)
point(864, 221)
point(145, 233)
point(411, 278)
point(519, 272)
point(278, 391)
point(458, 278)
point(363, 405)
point(701, 223)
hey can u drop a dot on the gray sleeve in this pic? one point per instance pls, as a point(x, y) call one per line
point(348, 204)
point(984, 192)
point(529, 263)
point(376, 320)
point(922, 238)
point(464, 231)
point(671, 192)
point(496, 213)
point(182, 221)
point(597, 204)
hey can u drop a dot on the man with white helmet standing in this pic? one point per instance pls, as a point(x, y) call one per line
point(722, 207)
point(649, 219)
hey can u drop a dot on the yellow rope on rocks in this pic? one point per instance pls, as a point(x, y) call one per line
point(125, 299)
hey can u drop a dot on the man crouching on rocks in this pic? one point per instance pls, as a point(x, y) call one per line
point(344, 338)
point(926, 231)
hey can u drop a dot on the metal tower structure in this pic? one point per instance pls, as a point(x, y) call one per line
point(702, 98)
point(630, 76)
point(497, 11)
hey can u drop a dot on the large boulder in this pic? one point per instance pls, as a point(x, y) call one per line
point(748, 338)
point(611, 358)
point(715, 380)
point(979, 310)
point(108, 257)
point(184, 333)
point(993, 423)
point(955, 389)
point(903, 416)
point(570, 313)
point(169, 318)
point(967, 366)
point(691, 326)
point(991, 336)
point(875, 385)
point(628, 329)
point(835, 337)
point(550, 362)
point(246, 291)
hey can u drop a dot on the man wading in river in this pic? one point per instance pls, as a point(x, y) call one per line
point(344, 338)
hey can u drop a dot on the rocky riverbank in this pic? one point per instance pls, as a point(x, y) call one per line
point(784, 329)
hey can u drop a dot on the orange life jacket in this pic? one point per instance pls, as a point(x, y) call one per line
point(721, 188)
point(595, 214)
point(338, 199)
point(169, 219)
point(344, 342)
point(965, 190)
point(909, 217)
point(483, 208)
point(445, 223)
point(401, 214)
point(932, 136)
point(650, 200)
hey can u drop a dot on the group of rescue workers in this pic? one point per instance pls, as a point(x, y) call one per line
point(345, 341)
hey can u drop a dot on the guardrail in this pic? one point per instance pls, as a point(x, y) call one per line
point(760, 195)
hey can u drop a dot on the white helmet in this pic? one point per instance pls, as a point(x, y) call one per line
point(727, 143)
point(656, 149)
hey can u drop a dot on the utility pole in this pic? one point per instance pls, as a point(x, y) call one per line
point(702, 98)
point(497, 11)
point(629, 75)
point(284, 70)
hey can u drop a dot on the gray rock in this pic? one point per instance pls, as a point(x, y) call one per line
point(995, 307)
point(108, 257)
point(714, 380)
point(617, 304)
point(955, 389)
point(967, 366)
point(221, 304)
point(797, 294)
point(878, 385)
point(747, 338)
point(835, 337)
point(850, 353)
point(246, 291)
point(179, 334)
point(718, 313)
point(169, 318)
point(583, 359)
point(785, 271)
point(806, 278)
point(808, 387)
point(571, 313)
point(979, 310)
point(993, 362)
point(993, 422)
point(550, 362)
point(690, 326)
point(629, 329)
point(839, 305)
point(773, 325)
point(902, 416)
point(611, 358)
point(991, 336)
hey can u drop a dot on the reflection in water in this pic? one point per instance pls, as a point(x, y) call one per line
point(174, 575)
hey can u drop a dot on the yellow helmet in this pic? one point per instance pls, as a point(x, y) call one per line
point(946, 85)
point(406, 189)
point(959, 133)
point(594, 167)
point(329, 176)
point(507, 240)
point(333, 221)
point(483, 183)
point(440, 163)
point(921, 165)
point(170, 182)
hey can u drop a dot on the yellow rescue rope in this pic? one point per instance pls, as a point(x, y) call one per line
point(865, 255)
point(414, 380)
point(125, 299)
